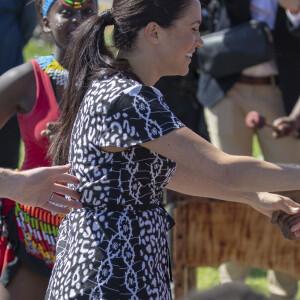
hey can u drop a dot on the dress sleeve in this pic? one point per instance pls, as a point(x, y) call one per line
point(137, 116)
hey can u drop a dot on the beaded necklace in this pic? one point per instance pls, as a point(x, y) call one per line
point(58, 74)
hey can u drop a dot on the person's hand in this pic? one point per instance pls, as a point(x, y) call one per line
point(36, 187)
point(267, 203)
point(49, 131)
point(284, 126)
point(292, 5)
point(287, 224)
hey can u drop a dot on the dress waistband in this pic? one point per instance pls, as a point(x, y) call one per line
point(120, 207)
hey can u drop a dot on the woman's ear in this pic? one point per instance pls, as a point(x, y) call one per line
point(153, 33)
point(46, 25)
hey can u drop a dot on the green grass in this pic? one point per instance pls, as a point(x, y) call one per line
point(36, 48)
point(207, 277)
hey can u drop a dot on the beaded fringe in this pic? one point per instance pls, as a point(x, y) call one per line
point(40, 230)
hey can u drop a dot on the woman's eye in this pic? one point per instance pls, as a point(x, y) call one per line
point(89, 11)
point(66, 13)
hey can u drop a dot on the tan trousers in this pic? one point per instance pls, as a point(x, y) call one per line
point(228, 132)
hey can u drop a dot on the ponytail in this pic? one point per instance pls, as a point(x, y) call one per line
point(87, 57)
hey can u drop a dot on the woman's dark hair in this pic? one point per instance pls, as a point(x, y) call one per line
point(88, 56)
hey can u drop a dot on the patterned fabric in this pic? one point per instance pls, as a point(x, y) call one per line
point(115, 247)
point(55, 71)
point(39, 231)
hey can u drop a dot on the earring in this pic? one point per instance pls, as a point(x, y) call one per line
point(156, 43)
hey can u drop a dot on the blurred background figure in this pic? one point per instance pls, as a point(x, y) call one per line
point(17, 22)
point(180, 94)
point(271, 88)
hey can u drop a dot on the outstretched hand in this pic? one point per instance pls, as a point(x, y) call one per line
point(289, 224)
point(35, 187)
point(268, 203)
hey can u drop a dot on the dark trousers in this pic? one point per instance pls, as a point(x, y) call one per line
point(10, 144)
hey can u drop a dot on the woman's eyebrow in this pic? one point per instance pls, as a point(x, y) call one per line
point(196, 22)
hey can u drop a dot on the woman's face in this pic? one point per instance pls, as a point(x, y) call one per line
point(62, 20)
point(180, 41)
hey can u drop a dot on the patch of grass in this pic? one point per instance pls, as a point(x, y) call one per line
point(36, 48)
point(208, 277)
point(256, 150)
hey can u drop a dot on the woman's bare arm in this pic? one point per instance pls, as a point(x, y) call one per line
point(187, 182)
point(17, 92)
point(240, 173)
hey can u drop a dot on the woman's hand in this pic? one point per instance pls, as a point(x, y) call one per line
point(267, 203)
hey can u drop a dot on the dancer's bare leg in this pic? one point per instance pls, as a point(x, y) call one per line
point(26, 285)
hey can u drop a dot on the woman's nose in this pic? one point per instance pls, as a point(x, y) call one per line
point(199, 42)
point(77, 17)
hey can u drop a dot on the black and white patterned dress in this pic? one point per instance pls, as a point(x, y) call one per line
point(115, 247)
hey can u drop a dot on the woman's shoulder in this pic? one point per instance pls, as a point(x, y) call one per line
point(142, 90)
point(19, 78)
point(17, 87)
point(121, 91)
point(17, 73)
point(126, 86)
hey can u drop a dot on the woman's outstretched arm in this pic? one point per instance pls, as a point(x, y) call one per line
point(239, 173)
point(266, 203)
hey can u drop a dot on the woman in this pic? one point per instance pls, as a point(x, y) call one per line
point(124, 147)
point(34, 91)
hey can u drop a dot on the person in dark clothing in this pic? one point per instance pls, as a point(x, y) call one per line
point(17, 22)
point(180, 93)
